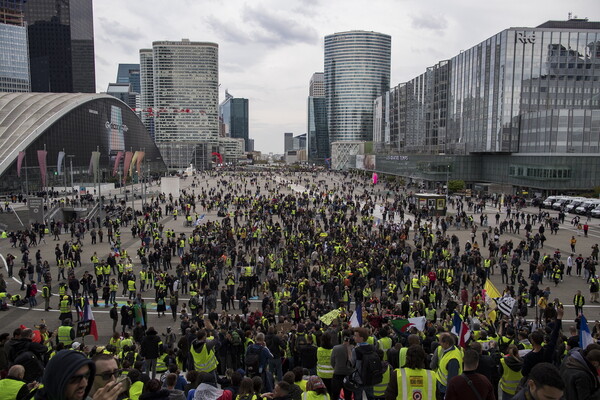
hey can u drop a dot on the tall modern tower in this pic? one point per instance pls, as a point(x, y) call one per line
point(61, 45)
point(233, 113)
point(184, 83)
point(14, 55)
point(317, 140)
point(129, 73)
point(357, 70)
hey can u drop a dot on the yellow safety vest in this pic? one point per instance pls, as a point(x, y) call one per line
point(324, 368)
point(385, 343)
point(136, 390)
point(379, 389)
point(442, 371)
point(204, 361)
point(161, 365)
point(9, 388)
point(64, 335)
point(416, 384)
point(402, 356)
point(131, 286)
point(310, 395)
point(510, 379)
point(65, 307)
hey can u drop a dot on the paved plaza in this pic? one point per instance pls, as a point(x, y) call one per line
point(286, 183)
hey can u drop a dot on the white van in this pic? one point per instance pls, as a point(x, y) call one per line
point(586, 206)
point(570, 208)
point(596, 212)
point(561, 203)
point(551, 200)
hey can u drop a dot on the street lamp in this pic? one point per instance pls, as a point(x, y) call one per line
point(70, 157)
point(447, 180)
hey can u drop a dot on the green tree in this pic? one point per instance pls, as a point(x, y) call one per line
point(456, 185)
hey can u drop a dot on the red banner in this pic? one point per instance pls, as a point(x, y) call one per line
point(128, 157)
point(20, 162)
point(117, 161)
point(42, 162)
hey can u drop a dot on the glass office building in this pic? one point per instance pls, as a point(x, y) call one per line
point(14, 59)
point(529, 96)
point(183, 80)
point(77, 124)
point(61, 45)
point(357, 70)
point(317, 139)
point(233, 114)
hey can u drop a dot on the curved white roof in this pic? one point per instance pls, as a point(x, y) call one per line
point(25, 116)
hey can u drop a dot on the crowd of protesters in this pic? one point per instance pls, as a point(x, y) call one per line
point(303, 254)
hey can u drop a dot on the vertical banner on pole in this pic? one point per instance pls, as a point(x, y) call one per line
point(133, 162)
point(126, 164)
point(59, 162)
point(95, 162)
point(139, 162)
point(117, 161)
point(20, 162)
point(42, 162)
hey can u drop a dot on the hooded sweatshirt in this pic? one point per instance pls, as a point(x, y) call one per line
point(581, 379)
point(58, 371)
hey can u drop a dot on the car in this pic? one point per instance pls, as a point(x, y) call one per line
point(551, 200)
point(587, 206)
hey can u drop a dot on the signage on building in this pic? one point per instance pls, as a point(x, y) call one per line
point(397, 158)
point(119, 127)
point(36, 209)
point(525, 37)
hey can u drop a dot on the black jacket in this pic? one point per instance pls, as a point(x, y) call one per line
point(150, 347)
point(581, 379)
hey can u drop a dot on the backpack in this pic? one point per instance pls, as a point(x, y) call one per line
point(253, 360)
point(236, 340)
point(371, 370)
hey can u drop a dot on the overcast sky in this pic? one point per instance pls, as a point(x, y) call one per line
point(268, 49)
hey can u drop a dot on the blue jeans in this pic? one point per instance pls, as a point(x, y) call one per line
point(368, 390)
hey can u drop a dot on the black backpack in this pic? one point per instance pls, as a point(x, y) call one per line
point(253, 360)
point(371, 370)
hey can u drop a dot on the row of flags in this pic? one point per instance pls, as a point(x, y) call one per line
point(131, 159)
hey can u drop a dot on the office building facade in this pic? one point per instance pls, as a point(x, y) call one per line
point(520, 110)
point(357, 70)
point(182, 78)
point(233, 115)
point(316, 87)
point(61, 45)
point(14, 53)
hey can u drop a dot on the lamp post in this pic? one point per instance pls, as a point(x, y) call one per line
point(70, 157)
point(447, 180)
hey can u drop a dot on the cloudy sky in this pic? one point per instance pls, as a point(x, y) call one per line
point(268, 49)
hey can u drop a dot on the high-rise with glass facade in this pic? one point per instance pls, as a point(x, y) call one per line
point(233, 114)
point(317, 139)
point(179, 82)
point(520, 109)
point(357, 70)
point(14, 55)
point(61, 45)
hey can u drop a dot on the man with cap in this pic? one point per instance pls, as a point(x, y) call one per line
point(69, 376)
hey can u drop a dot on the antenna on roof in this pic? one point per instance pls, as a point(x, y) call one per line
point(569, 15)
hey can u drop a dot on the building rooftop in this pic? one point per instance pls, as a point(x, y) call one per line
point(573, 23)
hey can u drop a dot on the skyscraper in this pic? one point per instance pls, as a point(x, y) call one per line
point(317, 85)
point(357, 70)
point(317, 140)
point(61, 45)
point(129, 73)
point(233, 113)
point(147, 89)
point(184, 82)
point(14, 56)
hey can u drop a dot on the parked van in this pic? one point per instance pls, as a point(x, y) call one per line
point(560, 203)
point(570, 208)
point(586, 206)
point(596, 212)
point(551, 200)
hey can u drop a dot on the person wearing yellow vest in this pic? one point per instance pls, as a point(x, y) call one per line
point(203, 350)
point(412, 340)
point(449, 363)
point(510, 370)
point(379, 388)
point(65, 333)
point(413, 381)
point(46, 296)
point(65, 309)
point(315, 389)
point(385, 342)
point(13, 387)
point(324, 367)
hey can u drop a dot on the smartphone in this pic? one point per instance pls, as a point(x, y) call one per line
point(124, 379)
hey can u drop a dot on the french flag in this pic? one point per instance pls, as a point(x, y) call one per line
point(89, 316)
point(460, 329)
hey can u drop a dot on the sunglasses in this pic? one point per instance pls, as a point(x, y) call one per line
point(108, 374)
point(76, 379)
